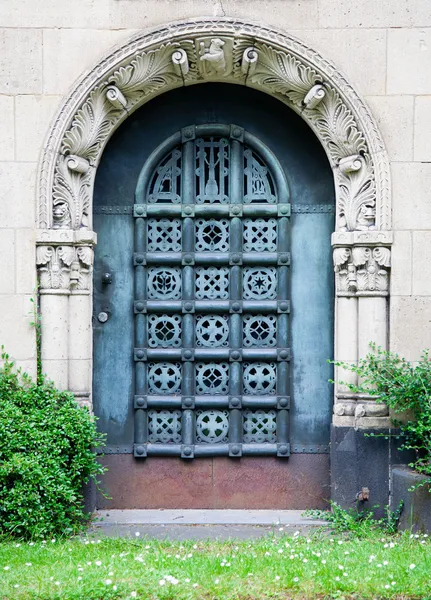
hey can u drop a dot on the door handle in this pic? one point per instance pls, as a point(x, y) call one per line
point(102, 317)
point(107, 278)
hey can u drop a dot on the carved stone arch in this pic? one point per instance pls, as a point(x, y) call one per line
point(217, 50)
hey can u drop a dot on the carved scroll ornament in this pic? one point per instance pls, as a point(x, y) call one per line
point(215, 51)
point(64, 267)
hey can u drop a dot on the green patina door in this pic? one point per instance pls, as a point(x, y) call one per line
point(213, 305)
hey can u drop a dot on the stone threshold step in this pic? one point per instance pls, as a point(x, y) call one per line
point(289, 518)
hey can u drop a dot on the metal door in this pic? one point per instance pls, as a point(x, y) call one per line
point(211, 302)
point(213, 305)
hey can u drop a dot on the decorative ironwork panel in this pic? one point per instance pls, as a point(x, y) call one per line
point(212, 378)
point(212, 235)
point(165, 184)
point(211, 301)
point(164, 378)
point(260, 331)
point(164, 283)
point(212, 283)
point(164, 235)
point(212, 426)
point(212, 170)
point(260, 378)
point(258, 183)
point(260, 426)
point(164, 426)
point(260, 284)
point(260, 235)
point(164, 331)
point(212, 331)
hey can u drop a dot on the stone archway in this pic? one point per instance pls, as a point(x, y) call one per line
point(230, 51)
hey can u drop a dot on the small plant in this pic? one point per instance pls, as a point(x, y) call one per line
point(405, 388)
point(46, 456)
point(360, 523)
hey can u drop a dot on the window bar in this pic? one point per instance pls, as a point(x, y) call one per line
point(188, 235)
point(141, 417)
point(283, 370)
point(235, 334)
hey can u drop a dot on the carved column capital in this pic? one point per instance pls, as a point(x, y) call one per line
point(362, 271)
point(64, 261)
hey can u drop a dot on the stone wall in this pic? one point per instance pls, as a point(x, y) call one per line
point(383, 48)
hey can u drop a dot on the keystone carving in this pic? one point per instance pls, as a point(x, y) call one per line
point(64, 267)
point(362, 271)
point(223, 51)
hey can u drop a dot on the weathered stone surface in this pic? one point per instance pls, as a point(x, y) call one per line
point(62, 13)
point(411, 184)
point(61, 47)
point(344, 13)
point(401, 272)
point(409, 61)
point(388, 110)
point(25, 263)
point(422, 137)
point(421, 263)
point(289, 14)
point(33, 114)
point(20, 61)
point(16, 331)
point(410, 325)
point(350, 50)
point(7, 128)
point(17, 194)
point(7, 254)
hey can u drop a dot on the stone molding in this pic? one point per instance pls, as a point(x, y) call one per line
point(221, 50)
point(231, 51)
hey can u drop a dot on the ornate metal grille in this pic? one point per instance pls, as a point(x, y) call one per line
point(211, 299)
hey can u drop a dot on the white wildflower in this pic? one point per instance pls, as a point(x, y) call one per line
point(412, 566)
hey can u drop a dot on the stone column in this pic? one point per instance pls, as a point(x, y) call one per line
point(65, 262)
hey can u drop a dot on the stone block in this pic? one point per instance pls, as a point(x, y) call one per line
point(281, 13)
point(25, 264)
point(409, 61)
point(422, 137)
point(401, 271)
point(411, 185)
point(61, 13)
point(79, 375)
point(20, 60)
point(421, 263)
point(7, 253)
point(410, 325)
point(17, 194)
point(68, 53)
point(416, 511)
point(57, 371)
point(17, 333)
point(394, 116)
point(7, 128)
point(369, 13)
point(360, 54)
point(33, 115)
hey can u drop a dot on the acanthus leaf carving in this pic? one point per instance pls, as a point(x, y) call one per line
point(71, 197)
point(147, 73)
point(283, 74)
point(91, 126)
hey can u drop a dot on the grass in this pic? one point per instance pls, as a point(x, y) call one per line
point(276, 567)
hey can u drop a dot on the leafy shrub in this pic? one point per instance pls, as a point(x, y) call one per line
point(46, 456)
point(359, 523)
point(405, 388)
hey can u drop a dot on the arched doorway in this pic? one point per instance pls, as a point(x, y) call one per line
point(216, 237)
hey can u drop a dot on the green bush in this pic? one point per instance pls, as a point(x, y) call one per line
point(405, 388)
point(46, 456)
